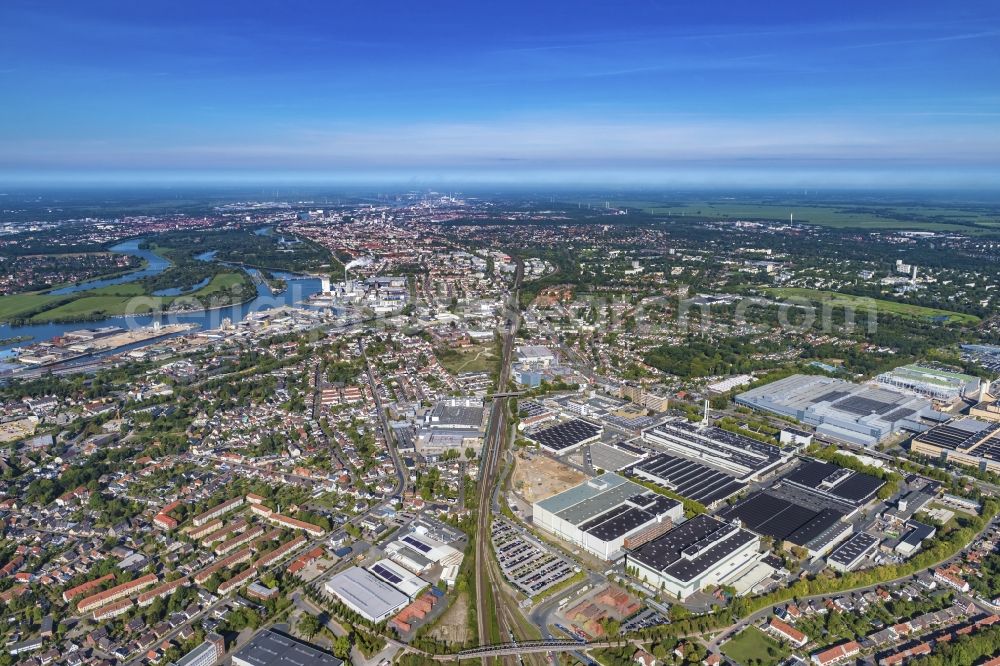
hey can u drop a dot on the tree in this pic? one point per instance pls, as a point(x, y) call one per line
point(342, 647)
point(678, 612)
point(309, 624)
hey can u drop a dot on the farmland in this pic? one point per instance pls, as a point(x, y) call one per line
point(904, 216)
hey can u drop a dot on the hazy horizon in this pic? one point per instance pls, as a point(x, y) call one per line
point(893, 94)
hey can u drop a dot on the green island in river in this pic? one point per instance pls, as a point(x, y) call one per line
point(196, 283)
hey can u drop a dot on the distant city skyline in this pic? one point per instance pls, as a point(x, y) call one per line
point(856, 94)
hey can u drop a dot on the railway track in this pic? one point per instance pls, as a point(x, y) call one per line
point(496, 620)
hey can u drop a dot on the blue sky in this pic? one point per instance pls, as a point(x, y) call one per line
point(765, 93)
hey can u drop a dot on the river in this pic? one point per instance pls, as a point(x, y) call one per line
point(300, 287)
point(155, 264)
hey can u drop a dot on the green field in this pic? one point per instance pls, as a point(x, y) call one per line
point(220, 282)
point(478, 358)
point(109, 301)
point(849, 216)
point(752, 646)
point(15, 305)
point(109, 306)
point(863, 304)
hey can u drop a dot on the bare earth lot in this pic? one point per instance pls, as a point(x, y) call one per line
point(453, 626)
point(537, 477)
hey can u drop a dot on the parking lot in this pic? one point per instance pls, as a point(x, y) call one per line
point(526, 563)
point(645, 618)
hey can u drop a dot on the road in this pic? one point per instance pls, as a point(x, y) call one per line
point(386, 430)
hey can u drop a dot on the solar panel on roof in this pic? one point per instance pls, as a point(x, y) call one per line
point(836, 483)
point(951, 437)
point(604, 517)
point(851, 549)
point(419, 545)
point(385, 574)
point(899, 414)
point(664, 553)
point(832, 396)
point(815, 527)
point(530, 408)
point(689, 478)
point(781, 519)
point(864, 406)
point(988, 448)
point(566, 434)
point(811, 473)
point(859, 487)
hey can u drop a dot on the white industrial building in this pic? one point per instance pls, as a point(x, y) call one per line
point(419, 552)
point(935, 383)
point(742, 457)
point(841, 410)
point(729, 383)
point(366, 594)
point(400, 578)
point(607, 514)
point(536, 355)
point(702, 552)
point(455, 424)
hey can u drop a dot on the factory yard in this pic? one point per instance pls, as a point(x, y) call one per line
point(537, 477)
point(139, 335)
point(453, 626)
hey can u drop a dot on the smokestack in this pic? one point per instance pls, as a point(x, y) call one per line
point(704, 419)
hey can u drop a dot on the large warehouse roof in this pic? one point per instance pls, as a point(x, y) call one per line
point(693, 548)
point(839, 409)
point(366, 592)
point(584, 491)
point(848, 553)
point(735, 453)
point(838, 483)
point(784, 520)
point(960, 434)
point(566, 435)
point(608, 506)
point(689, 478)
point(933, 382)
point(448, 414)
point(270, 648)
